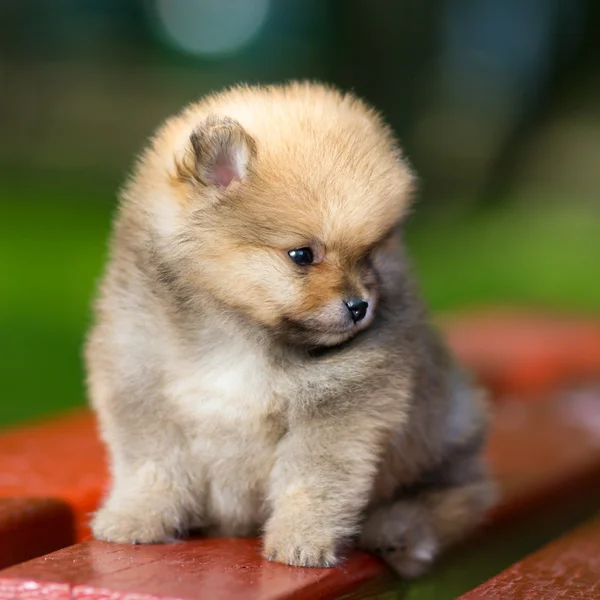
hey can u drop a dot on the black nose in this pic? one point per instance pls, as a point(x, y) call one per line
point(357, 308)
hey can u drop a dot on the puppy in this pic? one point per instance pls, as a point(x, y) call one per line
point(261, 360)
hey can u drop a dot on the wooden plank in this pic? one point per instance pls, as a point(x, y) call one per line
point(31, 527)
point(201, 569)
point(567, 568)
point(516, 352)
point(537, 449)
point(60, 458)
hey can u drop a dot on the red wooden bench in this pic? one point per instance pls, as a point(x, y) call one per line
point(544, 448)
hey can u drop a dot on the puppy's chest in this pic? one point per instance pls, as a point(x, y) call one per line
point(228, 387)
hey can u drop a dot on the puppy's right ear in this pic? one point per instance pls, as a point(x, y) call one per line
point(219, 152)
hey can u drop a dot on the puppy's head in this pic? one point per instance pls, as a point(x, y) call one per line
point(284, 198)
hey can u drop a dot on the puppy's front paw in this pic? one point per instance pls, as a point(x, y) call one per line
point(123, 527)
point(299, 549)
point(402, 536)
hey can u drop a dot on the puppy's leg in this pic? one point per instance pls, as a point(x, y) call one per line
point(319, 486)
point(155, 489)
point(148, 504)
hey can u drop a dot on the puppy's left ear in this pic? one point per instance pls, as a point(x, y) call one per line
point(219, 152)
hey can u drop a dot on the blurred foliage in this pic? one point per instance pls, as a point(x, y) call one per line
point(497, 103)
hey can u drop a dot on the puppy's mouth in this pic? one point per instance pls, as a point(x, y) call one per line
point(301, 334)
point(313, 332)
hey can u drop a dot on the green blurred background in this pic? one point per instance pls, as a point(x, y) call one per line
point(497, 103)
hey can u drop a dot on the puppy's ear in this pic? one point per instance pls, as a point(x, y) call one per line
point(219, 152)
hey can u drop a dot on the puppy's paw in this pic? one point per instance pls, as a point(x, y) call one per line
point(291, 547)
point(123, 527)
point(408, 559)
point(402, 536)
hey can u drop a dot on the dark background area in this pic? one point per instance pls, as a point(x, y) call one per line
point(497, 103)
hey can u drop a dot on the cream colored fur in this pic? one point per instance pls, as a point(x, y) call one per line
point(232, 391)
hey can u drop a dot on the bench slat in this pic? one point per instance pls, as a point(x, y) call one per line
point(524, 353)
point(567, 568)
point(199, 569)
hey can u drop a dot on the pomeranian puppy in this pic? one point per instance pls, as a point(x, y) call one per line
point(261, 360)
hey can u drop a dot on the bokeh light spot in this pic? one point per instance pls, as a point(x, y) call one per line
point(211, 27)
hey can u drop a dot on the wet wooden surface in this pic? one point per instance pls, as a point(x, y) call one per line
point(568, 568)
point(200, 569)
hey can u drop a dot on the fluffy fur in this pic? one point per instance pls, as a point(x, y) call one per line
point(233, 390)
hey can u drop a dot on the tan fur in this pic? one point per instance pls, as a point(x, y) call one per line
point(233, 390)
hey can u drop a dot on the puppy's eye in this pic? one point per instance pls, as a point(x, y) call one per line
point(301, 256)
